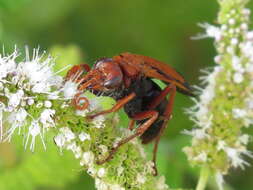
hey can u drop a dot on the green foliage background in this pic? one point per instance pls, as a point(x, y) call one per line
point(84, 30)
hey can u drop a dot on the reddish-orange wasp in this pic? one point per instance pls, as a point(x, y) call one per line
point(127, 79)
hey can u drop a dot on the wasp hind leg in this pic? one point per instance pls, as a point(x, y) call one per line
point(150, 115)
point(171, 89)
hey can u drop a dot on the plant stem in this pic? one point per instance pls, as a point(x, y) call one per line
point(204, 175)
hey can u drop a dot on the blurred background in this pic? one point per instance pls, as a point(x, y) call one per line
point(83, 30)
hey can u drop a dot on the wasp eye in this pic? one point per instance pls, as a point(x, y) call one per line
point(101, 61)
point(114, 82)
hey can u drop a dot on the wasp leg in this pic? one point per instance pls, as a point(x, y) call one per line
point(166, 116)
point(86, 67)
point(157, 100)
point(76, 70)
point(150, 115)
point(131, 124)
point(120, 103)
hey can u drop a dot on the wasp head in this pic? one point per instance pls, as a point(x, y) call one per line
point(105, 76)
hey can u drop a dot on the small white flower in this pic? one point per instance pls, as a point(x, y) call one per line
point(234, 41)
point(217, 59)
point(246, 12)
point(101, 172)
point(82, 112)
point(197, 133)
point(70, 89)
point(244, 26)
point(99, 121)
point(77, 151)
point(231, 21)
point(249, 67)
point(53, 95)
point(141, 178)
point(116, 141)
point(149, 167)
point(116, 187)
point(87, 158)
point(249, 103)
point(92, 170)
point(60, 140)
point(238, 78)
point(207, 95)
point(56, 81)
point(69, 135)
point(238, 113)
point(101, 185)
point(18, 116)
point(15, 99)
point(34, 131)
point(71, 146)
point(48, 104)
point(30, 101)
point(46, 117)
point(244, 139)
point(36, 70)
point(39, 105)
point(41, 87)
point(161, 184)
point(236, 63)
point(120, 170)
point(224, 27)
point(7, 65)
point(84, 136)
point(247, 48)
point(235, 157)
point(202, 157)
point(221, 145)
point(231, 31)
point(212, 31)
point(230, 50)
point(249, 35)
point(201, 113)
point(232, 12)
point(103, 149)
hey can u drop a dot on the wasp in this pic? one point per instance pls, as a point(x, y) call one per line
point(127, 78)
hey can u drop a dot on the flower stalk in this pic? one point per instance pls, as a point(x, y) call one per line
point(203, 179)
point(224, 107)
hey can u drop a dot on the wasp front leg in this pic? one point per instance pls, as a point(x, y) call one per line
point(120, 103)
point(75, 72)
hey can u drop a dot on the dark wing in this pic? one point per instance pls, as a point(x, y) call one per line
point(155, 69)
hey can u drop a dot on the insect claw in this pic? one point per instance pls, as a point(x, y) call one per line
point(155, 173)
point(100, 162)
point(91, 117)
